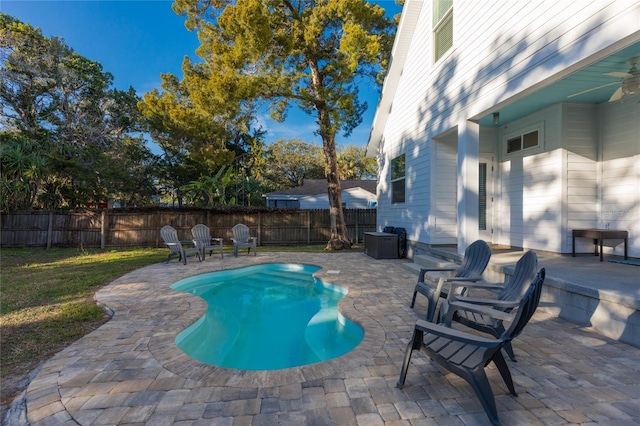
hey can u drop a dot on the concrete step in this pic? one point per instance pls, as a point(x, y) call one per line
point(436, 258)
point(428, 261)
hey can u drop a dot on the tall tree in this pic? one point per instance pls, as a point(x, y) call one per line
point(305, 53)
point(290, 162)
point(197, 140)
point(353, 163)
point(21, 167)
point(59, 109)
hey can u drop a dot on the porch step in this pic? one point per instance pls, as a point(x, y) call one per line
point(427, 261)
point(430, 261)
point(495, 273)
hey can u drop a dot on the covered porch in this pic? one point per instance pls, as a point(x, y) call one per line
point(528, 169)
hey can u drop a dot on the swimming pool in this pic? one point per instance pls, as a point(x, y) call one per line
point(267, 317)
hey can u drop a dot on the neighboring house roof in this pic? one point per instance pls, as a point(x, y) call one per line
point(319, 186)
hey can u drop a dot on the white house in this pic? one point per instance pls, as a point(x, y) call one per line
point(352, 198)
point(313, 194)
point(511, 121)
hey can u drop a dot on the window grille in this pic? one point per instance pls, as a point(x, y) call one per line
point(442, 27)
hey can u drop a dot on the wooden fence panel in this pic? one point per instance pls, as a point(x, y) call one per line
point(220, 224)
point(320, 226)
point(25, 229)
point(360, 221)
point(131, 229)
point(76, 229)
point(122, 228)
point(183, 221)
point(285, 228)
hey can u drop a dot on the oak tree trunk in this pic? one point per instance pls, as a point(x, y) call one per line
point(339, 239)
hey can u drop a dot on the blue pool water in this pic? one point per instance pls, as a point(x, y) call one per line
point(267, 317)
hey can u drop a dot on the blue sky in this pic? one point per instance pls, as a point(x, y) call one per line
point(136, 41)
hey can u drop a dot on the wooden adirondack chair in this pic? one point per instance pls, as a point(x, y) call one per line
point(241, 239)
point(170, 238)
point(454, 308)
point(203, 240)
point(467, 355)
point(475, 260)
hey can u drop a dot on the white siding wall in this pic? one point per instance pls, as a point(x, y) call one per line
point(530, 204)
point(444, 188)
point(580, 140)
point(404, 133)
point(354, 198)
point(357, 198)
point(620, 194)
point(546, 195)
point(314, 202)
point(535, 44)
point(542, 201)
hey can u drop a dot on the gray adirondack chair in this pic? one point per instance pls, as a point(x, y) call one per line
point(241, 239)
point(475, 260)
point(467, 355)
point(203, 240)
point(170, 238)
point(455, 307)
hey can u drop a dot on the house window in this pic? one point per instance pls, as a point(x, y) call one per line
point(524, 141)
point(397, 179)
point(442, 27)
point(283, 203)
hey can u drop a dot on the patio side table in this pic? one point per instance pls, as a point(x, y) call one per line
point(598, 235)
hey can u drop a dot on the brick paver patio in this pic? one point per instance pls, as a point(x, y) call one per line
point(130, 371)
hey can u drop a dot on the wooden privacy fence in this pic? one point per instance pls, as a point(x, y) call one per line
point(121, 228)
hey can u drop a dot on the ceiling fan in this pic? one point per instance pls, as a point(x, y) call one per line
point(629, 84)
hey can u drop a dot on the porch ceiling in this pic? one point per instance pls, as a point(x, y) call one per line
point(589, 77)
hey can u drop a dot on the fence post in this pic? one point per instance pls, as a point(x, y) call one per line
point(357, 212)
point(83, 226)
point(50, 230)
point(157, 231)
point(259, 228)
point(308, 227)
point(103, 227)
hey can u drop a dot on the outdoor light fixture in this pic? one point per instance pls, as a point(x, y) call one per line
point(496, 118)
point(631, 85)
